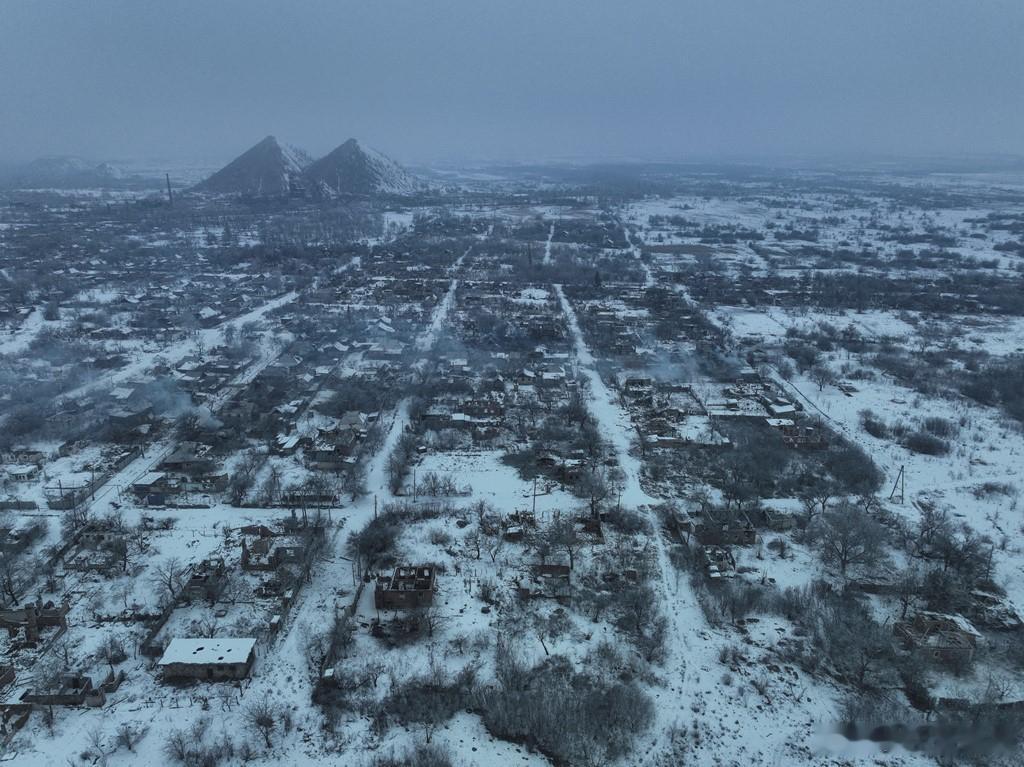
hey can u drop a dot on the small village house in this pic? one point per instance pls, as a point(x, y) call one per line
point(208, 659)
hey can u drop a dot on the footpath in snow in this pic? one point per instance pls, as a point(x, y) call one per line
point(156, 452)
point(175, 352)
point(19, 340)
point(635, 250)
point(680, 606)
point(692, 696)
point(323, 595)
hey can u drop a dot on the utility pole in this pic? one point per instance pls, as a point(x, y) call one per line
point(534, 498)
point(900, 485)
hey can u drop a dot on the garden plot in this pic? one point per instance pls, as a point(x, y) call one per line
point(488, 478)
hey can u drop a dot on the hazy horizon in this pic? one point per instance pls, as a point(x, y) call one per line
point(458, 81)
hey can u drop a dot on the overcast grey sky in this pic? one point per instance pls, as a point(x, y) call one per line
point(427, 80)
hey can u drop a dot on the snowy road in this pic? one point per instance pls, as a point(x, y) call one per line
point(332, 580)
point(547, 246)
point(429, 336)
point(20, 339)
point(680, 606)
point(635, 250)
point(175, 352)
point(157, 451)
point(693, 696)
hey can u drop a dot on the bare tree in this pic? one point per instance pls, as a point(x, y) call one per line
point(262, 715)
point(908, 585)
point(822, 376)
point(271, 490)
point(96, 739)
point(575, 410)
point(396, 474)
point(119, 548)
point(319, 485)
point(206, 628)
point(551, 627)
point(178, 746)
point(473, 543)
point(112, 652)
point(138, 539)
point(169, 577)
point(933, 529)
point(815, 499)
point(73, 520)
point(541, 544)
point(593, 486)
point(16, 576)
point(494, 547)
point(129, 736)
point(851, 538)
point(562, 536)
point(325, 647)
point(122, 592)
point(318, 650)
point(430, 618)
point(244, 475)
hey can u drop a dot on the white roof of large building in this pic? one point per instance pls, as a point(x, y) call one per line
point(207, 651)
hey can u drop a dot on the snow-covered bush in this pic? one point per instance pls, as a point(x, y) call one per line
point(926, 444)
point(572, 717)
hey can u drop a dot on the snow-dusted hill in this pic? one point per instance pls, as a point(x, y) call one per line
point(355, 169)
point(268, 168)
point(64, 173)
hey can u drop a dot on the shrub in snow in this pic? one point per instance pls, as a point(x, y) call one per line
point(873, 425)
point(926, 444)
point(420, 755)
point(940, 427)
point(571, 717)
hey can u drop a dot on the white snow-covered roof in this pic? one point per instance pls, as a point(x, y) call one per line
point(956, 619)
point(200, 650)
point(149, 478)
point(287, 441)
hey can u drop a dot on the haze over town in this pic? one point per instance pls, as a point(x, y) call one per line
point(474, 384)
point(463, 80)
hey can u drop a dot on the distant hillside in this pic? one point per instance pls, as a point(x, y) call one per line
point(269, 168)
point(354, 169)
point(65, 173)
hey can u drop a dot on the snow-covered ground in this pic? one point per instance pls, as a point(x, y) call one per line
point(730, 721)
point(721, 695)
